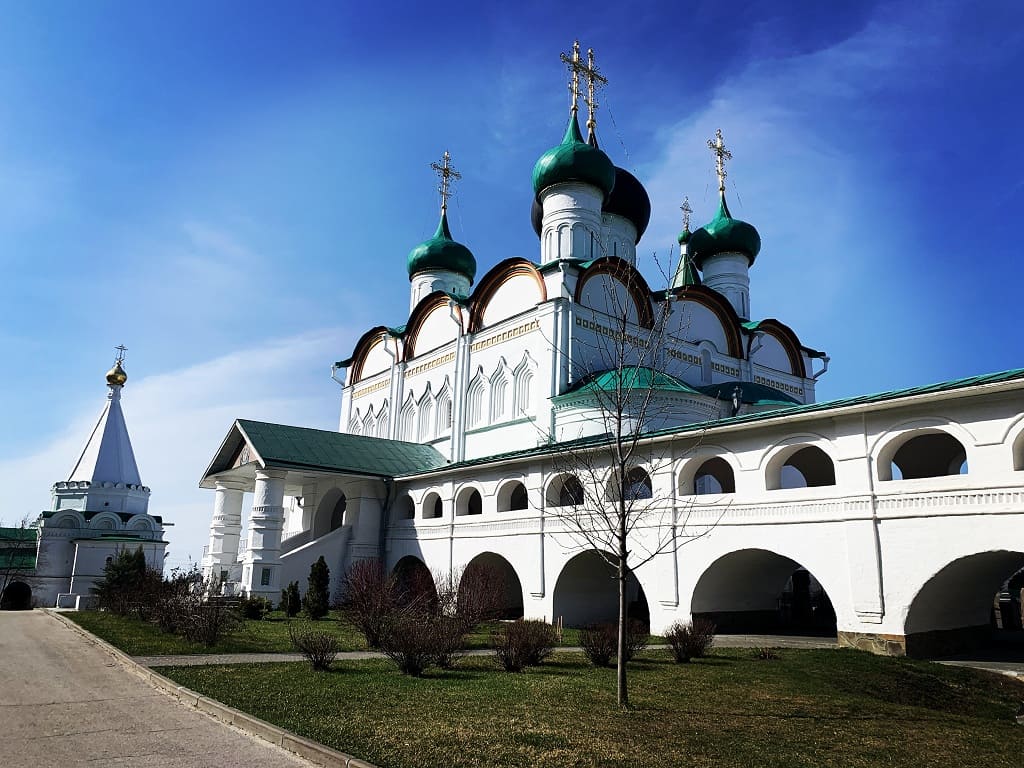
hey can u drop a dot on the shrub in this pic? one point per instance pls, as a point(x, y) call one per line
point(255, 607)
point(369, 598)
point(318, 592)
point(122, 585)
point(449, 634)
point(763, 653)
point(523, 643)
point(601, 642)
point(690, 640)
point(410, 640)
point(207, 622)
point(291, 601)
point(317, 646)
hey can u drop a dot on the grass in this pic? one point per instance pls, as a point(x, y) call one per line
point(806, 708)
point(139, 638)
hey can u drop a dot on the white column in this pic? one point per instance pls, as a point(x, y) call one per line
point(225, 531)
point(263, 558)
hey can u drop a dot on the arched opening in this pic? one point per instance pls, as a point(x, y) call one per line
point(405, 508)
point(492, 577)
point(636, 486)
point(587, 592)
point(713, 476)
point(17, 596)
point(433, 507)
point(1018, 452)
point(565, 491)
point(415, 582)
point(512, 497)
point(972, 602)
point(469, 502)
point(927, 454)
point(806, 467)
point(330, 513)
point(755, 591)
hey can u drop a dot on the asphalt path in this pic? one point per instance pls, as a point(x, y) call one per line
point(66, 702)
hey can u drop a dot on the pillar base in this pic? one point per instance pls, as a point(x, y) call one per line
point(919, 645)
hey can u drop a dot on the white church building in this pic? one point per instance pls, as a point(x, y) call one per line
point(473, 431)
point(99, 509)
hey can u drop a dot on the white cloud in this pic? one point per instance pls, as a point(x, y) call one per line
point(177, 420)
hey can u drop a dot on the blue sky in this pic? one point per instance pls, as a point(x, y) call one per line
point(231, 189)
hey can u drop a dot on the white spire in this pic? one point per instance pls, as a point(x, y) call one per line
point(108, 456)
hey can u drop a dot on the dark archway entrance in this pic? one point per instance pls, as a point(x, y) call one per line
point(755, 591)
point(415, 581)
point(17, 596)
point(330, 514)
point(587, 592)
point(973, 603)
point(493, 572)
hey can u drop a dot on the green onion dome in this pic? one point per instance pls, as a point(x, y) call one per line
point(684, 236)
point(574, 160)
point(441, 252)
point(629, 199)
point(724, 234)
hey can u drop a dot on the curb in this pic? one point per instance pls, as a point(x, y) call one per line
point(261, 729)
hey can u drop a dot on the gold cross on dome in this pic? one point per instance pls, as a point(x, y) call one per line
point(121, 349)
point(687, 210)
point(591, 74)
point(717, 146)
point(448, 176)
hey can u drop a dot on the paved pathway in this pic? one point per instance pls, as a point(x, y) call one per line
point(66, 702)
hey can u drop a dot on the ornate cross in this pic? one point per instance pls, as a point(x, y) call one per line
point(448, 178)
point(593, 77)
point(121, 349)
point(717, 146)
point(687, 210)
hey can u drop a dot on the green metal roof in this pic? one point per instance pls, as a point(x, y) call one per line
point(750, 393)
point(287, 447)
point(629, 377)
point(17, 549)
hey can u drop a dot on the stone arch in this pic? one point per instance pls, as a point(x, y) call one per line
point(140, 523)
point(622, 274)
point(17, 596)
point(1018, 452)
point(636, 486)
point(505, 291)
point(708, 473)
point(414, 580)
point(800, 465)
point(494, 572)
point(433, 507)
point(68, 518)
point(105, 521)
point(587, 592)
point(953, 609)
point(513, 497)
point(330, 513)
point(921, 453)
point(565, 490)
point(758, 590)
point(469, 501)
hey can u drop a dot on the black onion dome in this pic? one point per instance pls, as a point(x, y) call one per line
point(629, 199)
point(537, 216)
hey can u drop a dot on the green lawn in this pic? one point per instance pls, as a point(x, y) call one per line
point(807, 708)
point(139, 638)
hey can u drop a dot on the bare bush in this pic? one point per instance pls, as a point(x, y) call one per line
point(523, 643)
point(369, 599)
point(600, 642)
point(318, 647)
point(410, 640)
point(690, 640)
point(208, 621)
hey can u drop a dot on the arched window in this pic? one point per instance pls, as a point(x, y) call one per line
point(499, 397)
point(566, 491)
point(469, 502)
point(931, 454)
point(523, 394)
point(475, 402)
point(637, 485)
point(433, 507)
point(512, 497)
point(407, 425)
point(444, 412)
point(426, 409)
point(713, 476)
point(405, 508)
point(808, 467)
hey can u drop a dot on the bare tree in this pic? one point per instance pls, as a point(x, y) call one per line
point(17, 558)
point(623, 393)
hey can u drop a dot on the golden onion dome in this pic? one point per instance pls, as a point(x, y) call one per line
point(116, 377)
